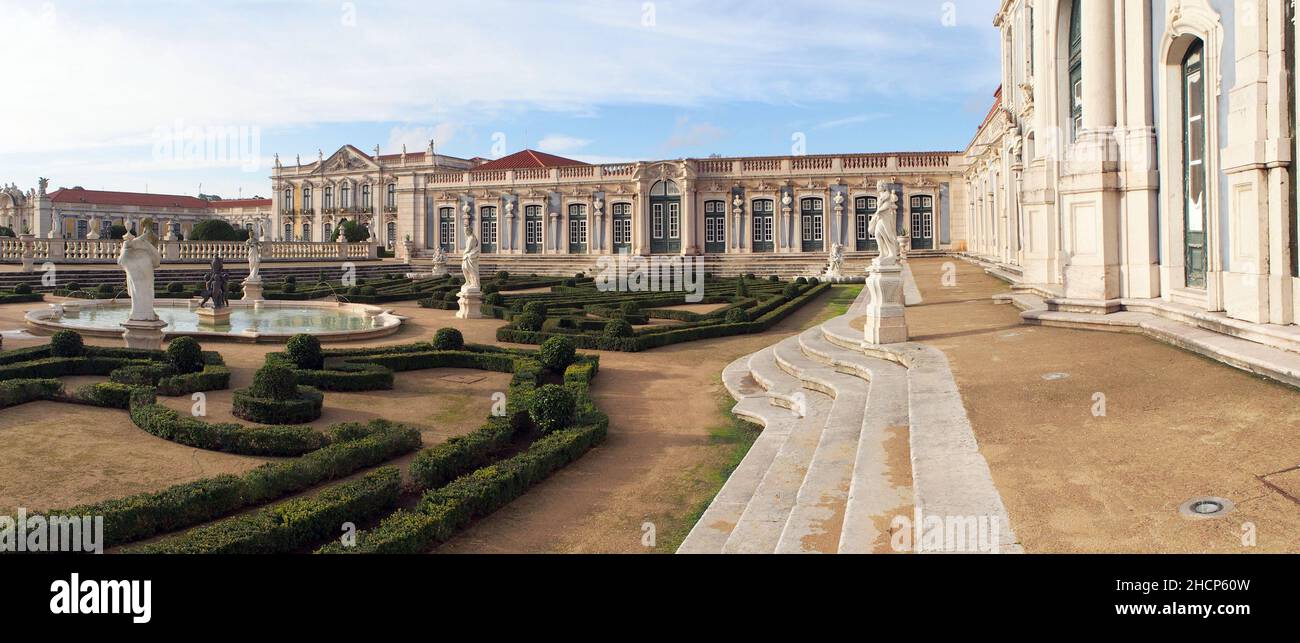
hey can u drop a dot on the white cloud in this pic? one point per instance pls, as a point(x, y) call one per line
point(688, 134)
point(561, 143)
point(849, 120)
point(416, 138)
point(105, 74)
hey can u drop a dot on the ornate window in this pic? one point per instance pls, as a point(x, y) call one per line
point(365, 196)
point(288, 232)
point(391, 198)
point(1076, 71)
point(1194, 145)
point(345, 196)
point(328, 202)
point(306, 199)
point(287, 204)
point(306, 231)
point(622, 215)
point(390, 234)
point(327, 232)
point(447, 227)
point(577, 224)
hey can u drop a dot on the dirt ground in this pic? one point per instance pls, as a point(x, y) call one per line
point(1175, 426)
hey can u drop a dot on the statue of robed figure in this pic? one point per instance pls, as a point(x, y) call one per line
point(139, 257)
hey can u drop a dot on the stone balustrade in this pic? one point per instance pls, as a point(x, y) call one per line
point(33, 249)
point(738, 168)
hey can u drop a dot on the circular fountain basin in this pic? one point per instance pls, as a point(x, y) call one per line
point(263, 321)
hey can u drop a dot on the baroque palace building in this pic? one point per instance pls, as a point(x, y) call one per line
point(533, 203)
point(1141, 155)
point(78, 213)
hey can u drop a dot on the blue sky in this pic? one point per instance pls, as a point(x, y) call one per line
point(168, 95)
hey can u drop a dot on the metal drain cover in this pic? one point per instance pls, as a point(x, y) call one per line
point(1208, 507)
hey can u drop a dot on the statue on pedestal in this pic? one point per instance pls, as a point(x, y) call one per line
point(835, 266)
point(885, 224)
point(469, 260)
point(254, 259)
point(439, 263)
point(214, 285)
point(139, 257)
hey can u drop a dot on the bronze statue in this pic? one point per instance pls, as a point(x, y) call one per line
point(214, 285)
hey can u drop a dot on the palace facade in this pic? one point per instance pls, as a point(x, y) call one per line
point(1142, 153)
point(533, 203)
point(78, 213)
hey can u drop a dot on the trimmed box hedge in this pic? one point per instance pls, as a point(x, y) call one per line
point(21, 391)
point(353, 446)
point(290, 525)
point(307, 407)
point(168, 424)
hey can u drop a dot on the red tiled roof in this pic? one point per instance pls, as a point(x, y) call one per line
point(527, 159)
point(104, 197)
point(239, 203)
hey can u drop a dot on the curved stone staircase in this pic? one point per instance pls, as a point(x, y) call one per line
point(818, 478)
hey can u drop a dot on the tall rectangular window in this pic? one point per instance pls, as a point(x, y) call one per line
point(1076, 71)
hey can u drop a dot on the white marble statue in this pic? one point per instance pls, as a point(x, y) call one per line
point(254, 260)
point(139, 257)
point(885, 223)
point(835, 267)
point(469, 260)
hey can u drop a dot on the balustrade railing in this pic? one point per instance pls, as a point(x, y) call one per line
point(29, 248)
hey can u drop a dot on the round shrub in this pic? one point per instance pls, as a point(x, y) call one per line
point(455, 281)
point(516, 306)
point(175, 287)
point(451, 296)
point(490, 288)
point(140, 374)
point(67, 343)
point(618, 328)
point(105, 290)
point(369, 291)
point(289, 288)
point(275, 382)
point(73, 286)
point(628, 307)
point(304, 350)
point(737, 316)
point(493, 299)
point(503, 276)
point(448, 339)
point(801, 281)
point(23, 289)
point(579, 275)
point(551, 408)
point(774, 279)
point(813, 281)
point(535, 307)
point(791, 291)
point(557, 353)
point(529, 321)
point(184, 355)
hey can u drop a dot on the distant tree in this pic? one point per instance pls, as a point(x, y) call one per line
point(6, 231)
point(116, 231)
point(241, 234)
point(352, 231)
point(214, 230)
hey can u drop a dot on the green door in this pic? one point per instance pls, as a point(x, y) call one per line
point(487, 229)
point(715, 226)
point(1194, 220)
point(577, 229)
point(622, 216)
point(864, 207)
point(532, 229)
point(922, 223)
point(764, 211)
point(810, 225)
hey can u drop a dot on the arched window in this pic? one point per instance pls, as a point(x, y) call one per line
point(1194, 145)
point(1076, 71)
point(390, 231)
point(288, 232)
point(306, 231)
point(327, 232)
point(665, 188)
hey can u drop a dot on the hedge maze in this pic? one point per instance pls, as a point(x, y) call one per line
point(547, 420)
point(622, 321)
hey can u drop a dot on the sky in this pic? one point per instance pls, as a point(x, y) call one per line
point(178, 96)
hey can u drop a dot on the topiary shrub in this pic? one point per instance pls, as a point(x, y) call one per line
point(503, 276)
point(535, 307)
point(369, 291)
point(790, 291)
point(184, 355)
point(67, 343)
point(774, 279)
point(737, 316)
point(569, 283)
point(529, 321)
point(175, 287)
point(493, 299)
point(304, 351)
point(628, 307)
point(275, 382)
point(73, 286)
point(289, 288)
point(742, 288)
point(801, 281)
point(105, 290)
point(291, 280)
point(557, 353)
point(23, 289)
point(579, 275)
point(448, 339)
point(451, 297)
point(618, 328)
point(490, 288)
point(551, 408)
point(813, 281)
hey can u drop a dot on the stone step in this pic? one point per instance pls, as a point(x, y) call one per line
point(763, 520)
point(816, 519)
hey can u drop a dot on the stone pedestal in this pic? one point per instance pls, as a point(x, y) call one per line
point(253, 290)
point(471, 303)
point(213, 316)
point(146, 335)
point(886, 322)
